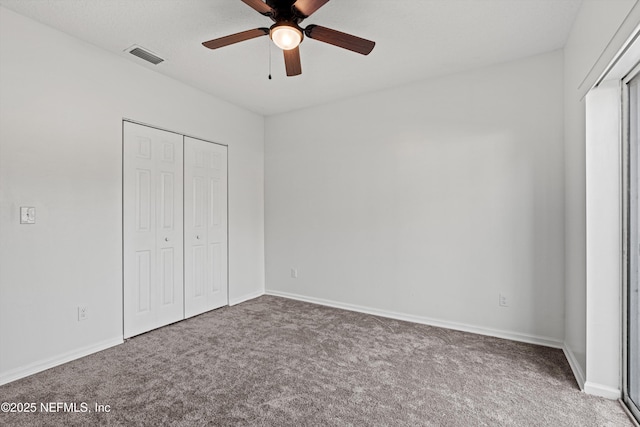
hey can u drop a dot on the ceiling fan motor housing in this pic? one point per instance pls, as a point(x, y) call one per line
point(283, 10)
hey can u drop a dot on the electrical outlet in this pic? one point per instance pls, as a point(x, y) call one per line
point(83, 313)
point(503, 301)
point(294, 273)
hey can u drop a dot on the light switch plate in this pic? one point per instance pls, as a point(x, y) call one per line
point(27, 215)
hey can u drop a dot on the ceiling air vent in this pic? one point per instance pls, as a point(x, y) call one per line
point(143, 53)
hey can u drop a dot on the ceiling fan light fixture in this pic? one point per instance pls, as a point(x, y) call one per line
point(286, 35)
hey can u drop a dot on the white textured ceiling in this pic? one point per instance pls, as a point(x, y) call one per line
point(415, 39)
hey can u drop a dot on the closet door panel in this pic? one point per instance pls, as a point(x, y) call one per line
point(153, 228)
point(205, 226)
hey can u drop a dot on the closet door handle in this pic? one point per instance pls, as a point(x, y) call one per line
point(198, 237)
point(166, 239)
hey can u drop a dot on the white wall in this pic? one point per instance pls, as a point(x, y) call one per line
point(427, 201)
point(599, 31)
point(61, 108)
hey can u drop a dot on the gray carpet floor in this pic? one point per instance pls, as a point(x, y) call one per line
point(277, 362)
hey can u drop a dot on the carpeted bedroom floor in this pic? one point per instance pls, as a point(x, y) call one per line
point(278, 362)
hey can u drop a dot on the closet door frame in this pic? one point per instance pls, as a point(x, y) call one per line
point(226, 261)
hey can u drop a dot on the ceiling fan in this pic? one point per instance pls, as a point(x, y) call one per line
point(287, 34)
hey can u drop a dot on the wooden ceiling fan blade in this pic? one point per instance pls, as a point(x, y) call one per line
point(340, 39)
point(292, 61)
point(236, 38)
point(259, 6)
point(307, 7)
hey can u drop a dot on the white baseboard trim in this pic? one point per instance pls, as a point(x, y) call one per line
point(43, 365)
point(602, 390)
point(514, 336)
point(575, 366)
point(247, 297)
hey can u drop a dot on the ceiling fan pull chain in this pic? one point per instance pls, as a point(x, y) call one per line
point(269, 47)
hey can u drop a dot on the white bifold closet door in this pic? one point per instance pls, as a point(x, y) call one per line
point(205, 226)
point(153, 228)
